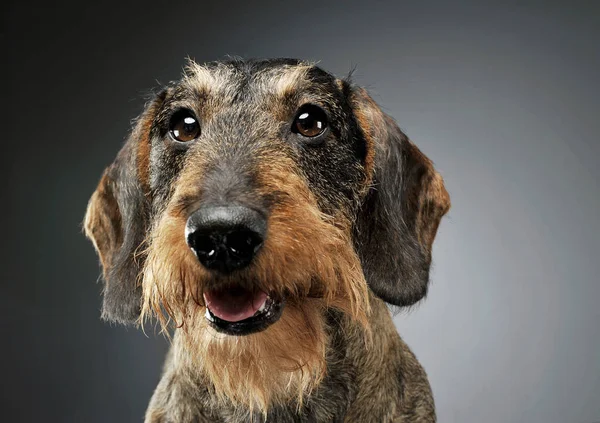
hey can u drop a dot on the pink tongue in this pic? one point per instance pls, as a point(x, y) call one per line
point(234, 304)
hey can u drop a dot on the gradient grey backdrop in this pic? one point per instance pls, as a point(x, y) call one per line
point(504, 99)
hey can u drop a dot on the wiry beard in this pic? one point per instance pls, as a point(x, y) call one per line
point(280, 364)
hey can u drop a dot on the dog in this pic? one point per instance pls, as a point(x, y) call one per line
point(264, 212)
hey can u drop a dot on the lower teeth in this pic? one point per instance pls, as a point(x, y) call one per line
point(265, 307)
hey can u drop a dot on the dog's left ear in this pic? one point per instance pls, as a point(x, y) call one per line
point(117, 218)
point(399, 218)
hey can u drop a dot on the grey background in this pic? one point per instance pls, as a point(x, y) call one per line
point(503, 97)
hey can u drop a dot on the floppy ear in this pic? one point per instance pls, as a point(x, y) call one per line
point(117, 218)
point(399, 218)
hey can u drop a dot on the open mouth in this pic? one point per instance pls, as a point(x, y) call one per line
point(240, 311)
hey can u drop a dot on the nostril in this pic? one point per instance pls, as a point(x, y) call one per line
point(243, 243)
point(205, 244)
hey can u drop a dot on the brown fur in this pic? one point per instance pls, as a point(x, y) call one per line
point(103, 221)
point(369, 129)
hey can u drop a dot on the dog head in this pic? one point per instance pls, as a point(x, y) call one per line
point(250, 198)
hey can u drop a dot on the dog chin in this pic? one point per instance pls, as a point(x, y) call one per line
point(239, 311)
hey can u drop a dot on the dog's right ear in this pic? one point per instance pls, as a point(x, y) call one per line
point(117, 217)
point(397, 223)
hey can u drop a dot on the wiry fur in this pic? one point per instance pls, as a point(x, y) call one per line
point(351, 221)
point(288, 360)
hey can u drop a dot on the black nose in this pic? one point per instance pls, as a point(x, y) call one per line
point(225, 238)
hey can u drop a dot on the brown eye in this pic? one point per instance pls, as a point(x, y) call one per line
point(184, 126)
point(310, 121)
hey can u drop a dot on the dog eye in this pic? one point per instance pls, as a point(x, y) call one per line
point(310, 121)
point(184, 126)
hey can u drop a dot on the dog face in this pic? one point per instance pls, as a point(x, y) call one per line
point(250, 198)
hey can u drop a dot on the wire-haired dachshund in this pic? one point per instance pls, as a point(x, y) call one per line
point(264, 212)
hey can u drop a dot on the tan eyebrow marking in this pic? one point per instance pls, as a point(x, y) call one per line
point(291, 78)
point(202, 78)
